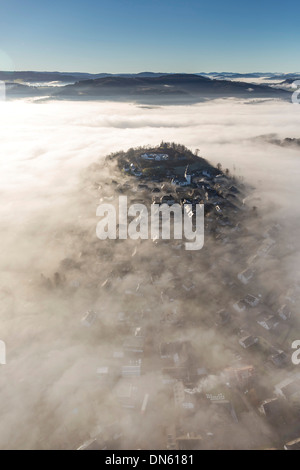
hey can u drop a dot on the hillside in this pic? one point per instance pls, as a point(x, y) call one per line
point(182, 87)
point(145, 87)
point(172, 172)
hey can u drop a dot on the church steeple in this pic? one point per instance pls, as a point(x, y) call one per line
point(188, 175)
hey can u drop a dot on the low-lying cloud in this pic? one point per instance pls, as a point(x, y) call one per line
point(48, 387)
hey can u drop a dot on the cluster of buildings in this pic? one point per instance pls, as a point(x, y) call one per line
point(158, 157)
point(190, 184)
point(155, 375)
point(266, 323)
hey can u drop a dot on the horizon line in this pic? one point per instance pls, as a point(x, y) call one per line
point(145, 71)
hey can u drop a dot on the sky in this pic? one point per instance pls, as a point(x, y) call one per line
point(117, 36)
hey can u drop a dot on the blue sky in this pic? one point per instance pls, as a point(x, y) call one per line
point(137, 35)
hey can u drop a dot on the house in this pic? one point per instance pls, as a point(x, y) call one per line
point(201, 183)
point(279, 359)
point(118, 355)
point(270, 408)
point(188, 288)
point(188, 441)
point(268, 322)
point(215, 397)
point(182, 398)
point(289, 389)
point(145, 403)
point(179, 181)
point(251, 300)
point(143, 187)
point(228, 407)
point(241, 376)
point(176, 352)
point(248, 341)
point(222, 317)
point(126, 393)
point(233, 189)
point(89, 318)
point(291, 294)
point(102, 373)
point(212, 195)
point(272, 231)
point(224, 221)
point(122, 317)
point(252, 259)
point(188, 175)
point(265, 247)
point(132, 370)
point(284, 312)
point(293, 445)
point(148, 156)
point(207, 173)
point(172, 374)
point(239, 306)
point(171, 435)
point(246, 275)
point(161, 157)
point(156, 200)
point(134, 344)
point(139, 331)
point(135, 171)
point(155, 156)
point(201, 372)
point(186, 200)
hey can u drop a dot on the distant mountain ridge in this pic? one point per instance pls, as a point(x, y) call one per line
point(64, 77)
point(190, 87)
point(72, 77)
point(145, 87)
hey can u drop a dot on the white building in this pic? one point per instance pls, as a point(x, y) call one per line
point(265, 247)
point(268, 322)
point(239, 306)
point(248, 341)
point(155, 156)
point(246, 276)
point(181, 398)
point(89, 318)
point(251, 300)
point(131, 370)
point(284, 312)
point(188, 176)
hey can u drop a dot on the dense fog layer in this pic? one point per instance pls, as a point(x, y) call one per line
point(50, 394)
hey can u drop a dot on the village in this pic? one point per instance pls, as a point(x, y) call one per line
point(207, 344)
